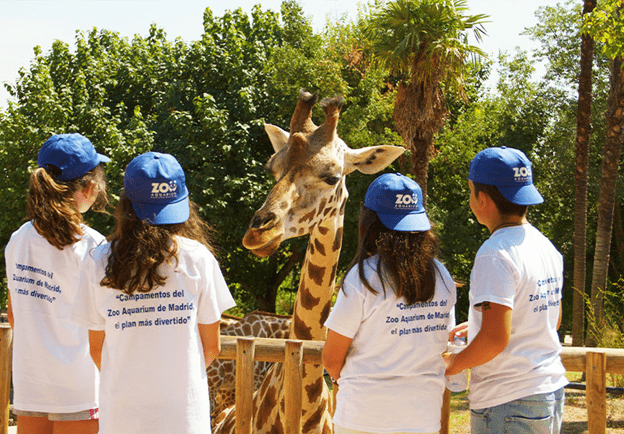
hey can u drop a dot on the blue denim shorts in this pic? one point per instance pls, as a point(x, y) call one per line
point(535, 414)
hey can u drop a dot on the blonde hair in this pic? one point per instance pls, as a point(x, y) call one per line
point(51, 206)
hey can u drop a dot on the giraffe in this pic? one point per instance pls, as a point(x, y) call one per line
point(310, 164)
point(222, 373)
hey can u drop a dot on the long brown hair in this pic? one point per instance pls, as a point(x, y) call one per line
point(51, 206)
point(406, 259)
point(139, 248)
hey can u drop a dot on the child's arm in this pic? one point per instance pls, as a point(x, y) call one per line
point(96, 343)
point(209, 334)
point(10, 316)
point(334, 353)
point(491, 340)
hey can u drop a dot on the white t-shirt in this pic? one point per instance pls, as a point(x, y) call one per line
point(52, 369)
point(393, 376)
point(518, 267)
point(153, 367)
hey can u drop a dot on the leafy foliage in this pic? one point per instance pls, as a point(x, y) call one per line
point(606, 25)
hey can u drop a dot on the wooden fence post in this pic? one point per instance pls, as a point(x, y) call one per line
point(245, 351)
point(596, 393)
point(293, 365)
point(446, 412)
point(6, 340)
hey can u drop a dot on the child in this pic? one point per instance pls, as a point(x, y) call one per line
point(155, 298)
point(55, 381)
point(517, 378)
point(391, 320)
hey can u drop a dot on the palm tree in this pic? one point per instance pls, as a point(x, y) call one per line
point(425, 44)
point(583, 131)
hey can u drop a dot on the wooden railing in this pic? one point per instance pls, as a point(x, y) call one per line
point(595, 362)
point(6, 340)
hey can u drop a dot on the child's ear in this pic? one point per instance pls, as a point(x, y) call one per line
point(485, 201)
point(480, 196)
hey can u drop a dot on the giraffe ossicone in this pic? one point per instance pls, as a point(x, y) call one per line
point(310, 164)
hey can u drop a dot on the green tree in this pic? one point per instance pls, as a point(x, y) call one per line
point(605, 24)
point(559, 34)
point(424, 46)
point(583, 130)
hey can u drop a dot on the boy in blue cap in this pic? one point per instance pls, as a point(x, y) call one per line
point(517, 377)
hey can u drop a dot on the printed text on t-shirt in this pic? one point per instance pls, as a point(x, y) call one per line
point(40, 281)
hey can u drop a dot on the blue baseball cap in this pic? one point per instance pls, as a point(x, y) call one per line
point(509, 170)
point(398, 202)
point(156, 186)
point(73, 154)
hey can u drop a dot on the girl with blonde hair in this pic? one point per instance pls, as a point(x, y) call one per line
point(55, 381)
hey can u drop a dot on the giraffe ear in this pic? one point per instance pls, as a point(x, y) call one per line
point(372, 159)
point(278, 136)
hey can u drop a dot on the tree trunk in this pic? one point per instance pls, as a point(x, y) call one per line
point(583, 132)
point(419, 163)
point(606, 200)
point(419, 113)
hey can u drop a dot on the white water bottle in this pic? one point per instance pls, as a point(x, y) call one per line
point(457, 382)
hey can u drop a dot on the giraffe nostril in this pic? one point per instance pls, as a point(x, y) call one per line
point(262, 221)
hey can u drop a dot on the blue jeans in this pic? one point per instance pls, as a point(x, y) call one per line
point(536, 414)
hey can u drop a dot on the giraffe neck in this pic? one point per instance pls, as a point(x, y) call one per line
point(317, 282)
point(312, 306)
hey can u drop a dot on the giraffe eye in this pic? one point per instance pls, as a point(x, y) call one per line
point(331, 180)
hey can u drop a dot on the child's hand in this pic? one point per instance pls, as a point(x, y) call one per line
point(460, 331)
point(450, 365)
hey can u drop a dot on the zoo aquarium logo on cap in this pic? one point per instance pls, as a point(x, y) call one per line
point(164, 190)
point(406, 201)
point(522, 174)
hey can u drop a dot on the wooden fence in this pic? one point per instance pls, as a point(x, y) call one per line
point(595, 362)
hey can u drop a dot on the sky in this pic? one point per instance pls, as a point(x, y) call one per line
point(25, 24)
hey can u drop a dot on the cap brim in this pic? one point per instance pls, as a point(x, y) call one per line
point(414, 222)
point(525, 195)
point(103, 159)
point(168, 214)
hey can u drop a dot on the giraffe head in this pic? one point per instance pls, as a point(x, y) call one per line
point(310, 164)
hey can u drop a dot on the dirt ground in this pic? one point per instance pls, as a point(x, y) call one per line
point(574, 414)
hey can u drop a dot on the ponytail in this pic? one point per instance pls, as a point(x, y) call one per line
point(51, 206)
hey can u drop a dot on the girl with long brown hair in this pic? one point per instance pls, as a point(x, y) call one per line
point(55, 381)
point(390, 323)
point(154, 299)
